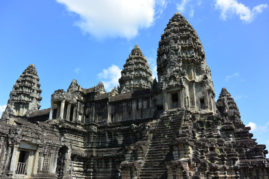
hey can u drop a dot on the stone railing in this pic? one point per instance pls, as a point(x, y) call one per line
point(21, 168)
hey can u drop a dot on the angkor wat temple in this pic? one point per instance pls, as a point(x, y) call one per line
point(166, 128)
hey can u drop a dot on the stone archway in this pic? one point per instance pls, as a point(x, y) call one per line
point(61, 162)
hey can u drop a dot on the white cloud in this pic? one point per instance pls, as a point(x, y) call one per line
point(2, 109)
point(252, 125)
point(259, 129)
point(188, 6)
point(153, 66)
point(110, 76)
point(182, 6)
point(228, 77)
point(246, 14)
point(114, 18)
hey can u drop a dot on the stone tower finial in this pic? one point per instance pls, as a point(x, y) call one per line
point(136, 74)
point(74, 86)
point(182, 67)
point(25, 95)
point(227, 106)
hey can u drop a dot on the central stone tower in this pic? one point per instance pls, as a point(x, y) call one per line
point(183, 74)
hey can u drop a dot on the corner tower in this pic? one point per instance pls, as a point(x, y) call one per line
point(25, 95)
point(183, 73)
point(136, 74)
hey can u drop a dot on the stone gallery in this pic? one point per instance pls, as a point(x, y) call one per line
point(166, 128)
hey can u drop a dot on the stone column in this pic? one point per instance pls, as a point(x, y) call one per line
point(30, 163)
point(14, 160)
point(41, 161)
point(67, 168)
point(108, 113)
point(134, 101)
point(51, 111)
point(193, 95)
point(62, 110)
point(2, 154)
point(53, 162)
point(36, 161)
point(165, 101)
point(8, 157)
point(181, 98)
point(74, 114)
point(207, 100)
point(68, 112)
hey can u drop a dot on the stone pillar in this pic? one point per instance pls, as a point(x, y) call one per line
point(74, 114)
point(62, 110)
point(181, 98)
point(8, 157)
point(36, 162)
point(2, 154)
point(207, 100)
point(30, 163)
point(68, 112)
point(165, 101)
point(67, 168)
point(14, 160)
point(53, 162)
point(51, 111)
point(193, 95)
point(41, 160)
point(134, 101)
point(108, 113)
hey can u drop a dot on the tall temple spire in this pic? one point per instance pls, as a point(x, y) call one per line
point(136, 74)
point(227, 106)
point(182, 66)
point(25, 95)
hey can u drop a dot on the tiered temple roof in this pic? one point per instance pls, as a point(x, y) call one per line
point(136, 73)
point(25, 95)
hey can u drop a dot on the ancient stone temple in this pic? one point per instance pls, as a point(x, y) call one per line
point(145, 129)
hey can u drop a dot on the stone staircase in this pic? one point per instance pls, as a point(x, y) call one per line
point(165, 132)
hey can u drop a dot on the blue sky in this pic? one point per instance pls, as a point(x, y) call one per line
point(90, 41)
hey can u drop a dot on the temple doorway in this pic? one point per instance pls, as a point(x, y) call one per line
point(61, 162)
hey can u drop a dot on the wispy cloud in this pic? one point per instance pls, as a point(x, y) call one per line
point(153, 66)
point(110, 76)
point(2, 109)
point(259, 128)
point(252, 126)
point(229, 77)
point(182, 5)
point(77, 70)
point(114, 18)
point(231, 7)
point(188, 6)
point(191, 13)
point(239, 97)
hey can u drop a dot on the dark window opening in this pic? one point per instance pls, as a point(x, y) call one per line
point(112, 117)
point(65, 110)
point(21, 167)
point(71, 113)
point(174, 97)
point(159, 107)
point(202, 103)
point(23, 156)
point(54, 115)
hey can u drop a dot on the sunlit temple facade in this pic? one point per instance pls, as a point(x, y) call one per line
point(145, 128)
